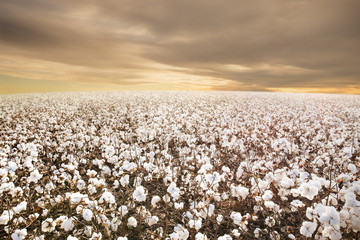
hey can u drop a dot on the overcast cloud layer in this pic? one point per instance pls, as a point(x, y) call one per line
point(265, 45)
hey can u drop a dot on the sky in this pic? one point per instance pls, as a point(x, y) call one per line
point(227, 45)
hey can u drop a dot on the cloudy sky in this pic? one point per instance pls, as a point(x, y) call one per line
point(245, 45)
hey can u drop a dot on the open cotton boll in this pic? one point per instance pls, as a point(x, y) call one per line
point(307, 190)
point(68, 224)
point(87, 214)
point(19, 234)
point(71, 238)
point(124, 180)
point(195, 224)
point(267, 195)
point(225, 237)
point(152, 220)
point(308, 228)
point(6, 216)
point(76, 198)
point(139, 194)
point(35, 176)
point(48, 225)
point(352, 168)
point(236, 217)
point(174, 191)
point(200, 236)
point(239, 191)
point(132, 222)
point(20, 207)
point(107, 197)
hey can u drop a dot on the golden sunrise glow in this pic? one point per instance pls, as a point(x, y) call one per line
point(160, 45)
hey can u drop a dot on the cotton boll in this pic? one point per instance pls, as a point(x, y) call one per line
point(68, 224)
point(107, 197)
point(200, 236)
point(219, 219)
point(308, 228)
point(330, 232)
point(352, 168)
point(87, 214)
point(239, 191)
point(124, 180)
point(139, 194)
point(80, 184)
point(236, 217)
point(71, 238)
point(48, 225)
point(225, 237)
point(267, 195)
point(152, 220)
point(132, 222)
point(19, 234)
point(122, 238)
point(173, 191)
point(195, 224)
point(270, 221)
point(20, 207)
point(308, 191)
point(35, 176)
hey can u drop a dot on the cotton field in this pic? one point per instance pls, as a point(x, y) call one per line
point(179, 165)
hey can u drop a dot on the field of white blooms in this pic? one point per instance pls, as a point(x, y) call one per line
point(179, 165)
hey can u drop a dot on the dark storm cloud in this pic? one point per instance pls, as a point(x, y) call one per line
point(274, 44)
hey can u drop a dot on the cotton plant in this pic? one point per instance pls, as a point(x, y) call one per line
point(200, 161)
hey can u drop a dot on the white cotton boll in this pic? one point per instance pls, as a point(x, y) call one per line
point(71, 238)
point(352, 168)
point(330, 232)
point(68, 225)
point(287, 183)
point(124, 180)
point(200, 236)
point(139, 194)
point(291, 236)
point(310, 213)
point(195, 224)
point(173, 191)
point(106, 170)
point(235, 232)
point(91, 173)
point(179, 205)
point(239, 191)
point(116, 184)
point(80, 184)
point(236, 217)
point(257, 232)
point(269, 204)
point(308, 228)
point(48, 225)
point(219, 218)
point(39, 189)
point(107, 197)
point(270, 221)
point(267, 195)
point(307, 190)
point(96, 236)
point(123, 210)
point(155, 200)
point(19, 234)
point(132, 222)
point(152, 220)
point(76, 198)
point(35, 176)
point(166, 198)
point(87, 214)
point(122, 238)
point(20, 207)
point(45, 212)
point(225, 237)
